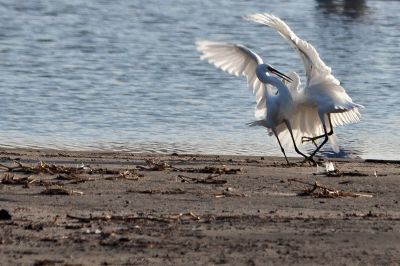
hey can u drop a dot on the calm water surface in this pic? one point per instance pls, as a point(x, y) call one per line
point(125, 75)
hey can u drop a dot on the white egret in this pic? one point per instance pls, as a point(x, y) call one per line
point(323, 100)
point(239, 60)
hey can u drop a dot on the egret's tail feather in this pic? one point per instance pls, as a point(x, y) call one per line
point(261, 123)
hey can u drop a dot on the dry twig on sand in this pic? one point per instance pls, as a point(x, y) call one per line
point(321, 191)
point(158, 191)
point(125, 174)
point(229, 192)
point(208, 180)
point(154, 165)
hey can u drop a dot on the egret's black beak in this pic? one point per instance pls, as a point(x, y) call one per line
point(279, 74)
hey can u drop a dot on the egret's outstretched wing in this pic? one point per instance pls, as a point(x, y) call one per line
point(346, 117)
point(237, 60)
point(315, 68)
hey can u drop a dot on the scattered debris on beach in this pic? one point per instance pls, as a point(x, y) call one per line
point(43, 167)
point(212, 170)
point(180, 217)
point(64, 174)
point(156, 165)
point(193, 208)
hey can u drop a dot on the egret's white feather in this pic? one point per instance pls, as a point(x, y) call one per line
point(237, 60)
point(315, 68)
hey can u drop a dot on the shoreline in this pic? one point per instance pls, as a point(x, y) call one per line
point(111, 208)
point(326, 156)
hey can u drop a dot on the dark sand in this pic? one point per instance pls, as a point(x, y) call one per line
point(175, 216)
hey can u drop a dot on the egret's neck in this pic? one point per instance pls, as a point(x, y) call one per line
point(263, 76)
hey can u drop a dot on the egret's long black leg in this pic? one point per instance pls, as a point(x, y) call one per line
point(313, 139)
point(323, 143)
point(283, 151)
point(294, 143)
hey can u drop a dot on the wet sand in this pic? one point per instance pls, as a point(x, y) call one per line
point(90, 208)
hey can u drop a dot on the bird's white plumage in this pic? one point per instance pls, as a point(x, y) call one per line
point(237, 60)
point(304, 112)
point(322, 92)
point(305, 120)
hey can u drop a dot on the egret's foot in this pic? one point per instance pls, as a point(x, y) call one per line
point(287, 161)
point(309, 160)
point(288, 164)
point(307, 139)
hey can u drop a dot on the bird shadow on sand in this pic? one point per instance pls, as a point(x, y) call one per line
point(342, 154)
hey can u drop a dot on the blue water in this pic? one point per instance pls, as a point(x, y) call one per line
point(124, 75)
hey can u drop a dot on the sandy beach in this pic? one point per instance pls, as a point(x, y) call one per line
point(91, 208)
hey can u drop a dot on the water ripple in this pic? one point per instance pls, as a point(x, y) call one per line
point(122, 76)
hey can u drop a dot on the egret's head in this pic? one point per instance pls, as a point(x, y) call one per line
point(278, 73)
